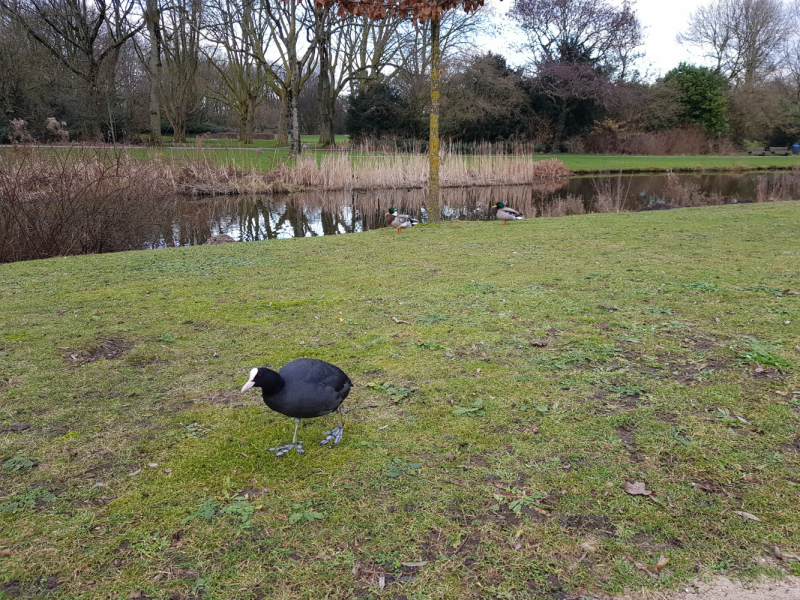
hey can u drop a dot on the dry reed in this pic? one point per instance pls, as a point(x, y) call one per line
point(611, 195)
point(339, 171)
point(783, 186)
point(679, 193)
point(563, 207)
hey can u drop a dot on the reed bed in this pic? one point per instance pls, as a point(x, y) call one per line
point(343, 172)
point(612, 195)
point(785, 186)
point(684, 194)
point(94, 201)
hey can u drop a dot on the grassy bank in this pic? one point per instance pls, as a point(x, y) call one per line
point(267, 158)
point(543, 365)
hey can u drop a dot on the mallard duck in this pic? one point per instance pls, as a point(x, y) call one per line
point(398, 221)
point(504, 213)
point(303, 389)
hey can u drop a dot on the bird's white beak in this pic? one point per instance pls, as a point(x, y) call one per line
point(250, 382)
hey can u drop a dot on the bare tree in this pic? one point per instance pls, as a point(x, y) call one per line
point(238, 32)
point(592, 32)
point(86, 37)
point(153, 66)
point(181, 26)
point(353, 52)
point(292, 29)
point(744, 38)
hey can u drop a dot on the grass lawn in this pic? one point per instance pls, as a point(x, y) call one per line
point(547, 363)
point(593, 163)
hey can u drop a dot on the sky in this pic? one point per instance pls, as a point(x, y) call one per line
point(662, 21)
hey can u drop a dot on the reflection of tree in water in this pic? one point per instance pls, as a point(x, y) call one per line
point(332, 213)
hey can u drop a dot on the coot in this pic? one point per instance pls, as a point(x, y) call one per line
point(303, 389)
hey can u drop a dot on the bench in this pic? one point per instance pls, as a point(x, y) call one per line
point(771, 150)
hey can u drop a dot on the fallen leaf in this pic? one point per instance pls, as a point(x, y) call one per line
point(152, 465)
point(776, 552)
point(167, 470)
point(641, 567)
point(415, 564)
point(382, 577)
point(135, 473)
point(747, 515)
point(663, 561)
point(28, 534)
point(637, 489)
point(137, 595)
point(5, 552)
point(396, 320)
point(589, 546)
point(449, 456)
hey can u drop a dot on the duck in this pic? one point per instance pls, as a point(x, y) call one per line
point(305, 388)
point(504, 213)
point(398, 221)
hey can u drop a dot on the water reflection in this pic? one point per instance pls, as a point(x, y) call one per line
point(330, 213)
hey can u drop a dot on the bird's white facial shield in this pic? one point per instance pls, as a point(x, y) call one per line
point(251, 382)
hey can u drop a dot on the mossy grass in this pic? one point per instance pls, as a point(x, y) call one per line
point(605, 349)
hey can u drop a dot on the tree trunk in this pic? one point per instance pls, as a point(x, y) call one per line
point(251, 118)
point(324, 83)
point(433, 146)
point(151, 15)
point(245, 137)
point(560, 126)
point(283, 122)
point(179, 127)
point(296, 147)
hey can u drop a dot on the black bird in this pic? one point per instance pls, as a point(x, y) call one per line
point(303, 389)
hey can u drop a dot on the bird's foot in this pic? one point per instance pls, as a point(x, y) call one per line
point(334, 435)
point(283, 450)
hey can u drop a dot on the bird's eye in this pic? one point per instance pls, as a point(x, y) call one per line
point(258, 375)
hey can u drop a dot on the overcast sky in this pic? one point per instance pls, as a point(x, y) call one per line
point(662, 21)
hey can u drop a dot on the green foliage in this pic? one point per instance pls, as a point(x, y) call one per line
point(304, 512)
point(18, 464)
point(476, 410)
point(761, 353)
point(395, 393)
point(207, 511)
point(381, 110)
point(398, 467)
point(699, 286)
point(27, 499)
point(239, 509)
point(702, 93)
point(676, 434)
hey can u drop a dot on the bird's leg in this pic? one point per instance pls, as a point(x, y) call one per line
point(335, 434)
point(298, 446)
point(398, 230)
point(504, 222)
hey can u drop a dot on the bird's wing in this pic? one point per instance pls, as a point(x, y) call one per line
point(516, 213)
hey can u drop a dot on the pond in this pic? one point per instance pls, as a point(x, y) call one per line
point(331, 213)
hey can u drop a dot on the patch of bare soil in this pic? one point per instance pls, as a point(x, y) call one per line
point(108, 349)
point(722, 588)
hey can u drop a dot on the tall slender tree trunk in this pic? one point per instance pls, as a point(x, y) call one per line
point(434, 215)
point(151, 15)
point(324, 83)
point(283, 121)
point(245, 135)
point(296, 147)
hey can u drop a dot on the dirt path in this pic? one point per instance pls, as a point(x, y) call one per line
point(722, 588)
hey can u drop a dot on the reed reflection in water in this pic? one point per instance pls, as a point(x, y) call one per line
point(330, 213)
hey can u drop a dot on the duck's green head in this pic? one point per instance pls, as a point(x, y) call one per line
point(392, 211)
point(500, 205)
